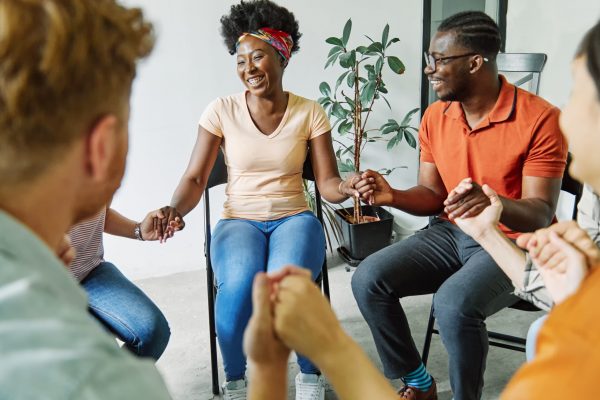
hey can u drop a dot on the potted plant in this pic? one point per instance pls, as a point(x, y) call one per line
point(365, 229)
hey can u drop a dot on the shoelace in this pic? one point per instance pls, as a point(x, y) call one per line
point(308, 391)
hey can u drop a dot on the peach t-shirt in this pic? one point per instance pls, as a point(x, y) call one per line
point(264, 171)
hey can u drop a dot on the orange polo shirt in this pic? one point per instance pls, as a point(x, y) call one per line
point(520, 137)
point(567, 359)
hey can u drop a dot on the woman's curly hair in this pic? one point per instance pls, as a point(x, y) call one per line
point(249, 16)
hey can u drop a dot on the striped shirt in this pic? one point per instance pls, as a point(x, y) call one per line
point(86, 239)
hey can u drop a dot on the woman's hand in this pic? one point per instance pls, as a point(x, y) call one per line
point(65, 251)
point(162, 224)
point(261, 345)
point(564, 272)
point(485, 221)
point(374, 189)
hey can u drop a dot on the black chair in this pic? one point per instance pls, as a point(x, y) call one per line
point(218, 176)
point(569, 185)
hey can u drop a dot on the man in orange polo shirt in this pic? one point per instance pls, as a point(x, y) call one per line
point(486, 129)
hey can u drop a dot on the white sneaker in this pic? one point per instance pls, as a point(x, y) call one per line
point(235, 390)
point(310, 387)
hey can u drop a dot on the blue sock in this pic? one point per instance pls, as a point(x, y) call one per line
point(419, 379)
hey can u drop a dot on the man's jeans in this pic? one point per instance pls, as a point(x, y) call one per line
point(242, 248)
point(469, 287)
point(126, 311)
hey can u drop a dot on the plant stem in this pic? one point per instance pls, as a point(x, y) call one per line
point(358, 128)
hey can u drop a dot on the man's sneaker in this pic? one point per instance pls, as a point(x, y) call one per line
point(235, 390)
point(310, 387)
point(411, 393)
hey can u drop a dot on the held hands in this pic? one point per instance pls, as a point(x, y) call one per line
point(161, 224)
point(478, 225)
point(355, 186)
point(564, 254)
point(299, 318)
point(374, 189)
point(466, 200)
point(261, 345)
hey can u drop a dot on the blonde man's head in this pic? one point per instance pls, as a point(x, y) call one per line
point(64, 64)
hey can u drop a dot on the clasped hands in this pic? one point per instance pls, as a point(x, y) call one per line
point(563, 252)
point(289, 313)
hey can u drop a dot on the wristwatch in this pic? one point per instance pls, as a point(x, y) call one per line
point(137, 231)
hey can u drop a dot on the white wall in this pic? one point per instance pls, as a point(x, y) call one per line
point(554, 27)
point(190, 66)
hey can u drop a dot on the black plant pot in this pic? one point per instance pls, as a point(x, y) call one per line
point(362, 240)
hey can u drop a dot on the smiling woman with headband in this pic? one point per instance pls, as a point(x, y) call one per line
point(266, 134)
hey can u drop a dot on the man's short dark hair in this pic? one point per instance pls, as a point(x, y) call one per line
point(474, 30)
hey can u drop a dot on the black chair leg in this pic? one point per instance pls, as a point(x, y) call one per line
point(428, 336)
point(325, 280)
point(212, 330)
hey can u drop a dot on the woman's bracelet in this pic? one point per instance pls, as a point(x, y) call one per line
point(340, 188)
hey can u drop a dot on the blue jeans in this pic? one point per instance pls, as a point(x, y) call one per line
point(532, 334)
point(468, 287)
point(126, 311)
point(242, 248)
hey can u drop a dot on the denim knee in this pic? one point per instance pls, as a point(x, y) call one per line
point(152, 338)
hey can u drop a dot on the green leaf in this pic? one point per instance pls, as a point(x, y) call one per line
point(396, 65)
point(392, 142)
point(386, 31)
point(339, 80)
point(408, 116)
point(367, 93)
point(350, 79)
point(389, 129)
point(332, 60)
point(338, 111)
point(410, 139)
point(345, 127)
point(362, 80)
point(350, 101)
point(335, 41)
point(325, 89)
point(348, 59)
point(369, 38)
point(346, 34)
point(393, 40)
point(383, 89)
point(335, 50)
point(378, 65)
point(361, 49)
point(375, 48)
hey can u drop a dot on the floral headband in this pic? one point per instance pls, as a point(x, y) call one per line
point(281, 41)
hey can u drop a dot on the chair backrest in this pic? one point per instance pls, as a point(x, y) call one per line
point(572, 186)
point(527, 65)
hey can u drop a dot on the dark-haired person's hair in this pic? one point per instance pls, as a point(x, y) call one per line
point(590, 48)
point(249, 16)
point(474, 30)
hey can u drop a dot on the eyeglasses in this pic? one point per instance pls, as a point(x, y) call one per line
point(432, 61)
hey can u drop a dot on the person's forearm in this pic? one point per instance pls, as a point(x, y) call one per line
point(526, 215)
point(267, 383)
point(352, 374)
point(187, 195)
point(507, 255)
point(118, 225)
point(418, 200)
point(332, 190)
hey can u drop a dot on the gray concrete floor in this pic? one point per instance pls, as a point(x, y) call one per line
point(185, 365)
